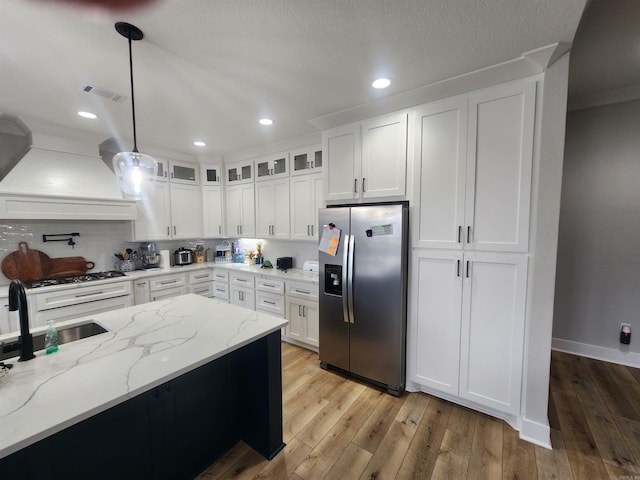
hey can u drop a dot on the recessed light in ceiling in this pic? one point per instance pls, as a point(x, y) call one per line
point(198, 143)
point(266, 121)
point(88, 115)
point(381, 83)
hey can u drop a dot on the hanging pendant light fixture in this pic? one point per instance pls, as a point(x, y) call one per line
point(133, 168)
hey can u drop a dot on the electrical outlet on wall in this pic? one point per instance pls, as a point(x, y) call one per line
point(625, 333)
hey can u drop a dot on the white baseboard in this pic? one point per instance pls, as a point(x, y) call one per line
point(606, 354)
point(535, 432)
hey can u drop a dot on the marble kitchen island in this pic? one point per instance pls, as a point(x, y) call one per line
point(171, 387)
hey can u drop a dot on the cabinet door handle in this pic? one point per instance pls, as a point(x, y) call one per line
point(168, 231)
point(171, 174)
point(308, 164)
point(355, 185)
point(304, 311)
point(459, 233)
point(175, 231)
point(220, 229)
point(308, 234)
point(458, 269)
point(299, 310)
point(468, 233)
point(312, 164)
point(467, 269)
point(240, 229)
point(364, 184)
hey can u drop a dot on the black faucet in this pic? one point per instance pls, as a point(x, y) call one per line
point(18, 301)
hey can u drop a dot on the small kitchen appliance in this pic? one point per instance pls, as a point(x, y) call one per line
point(183, 256)
point(284, 263)
point(150, 255)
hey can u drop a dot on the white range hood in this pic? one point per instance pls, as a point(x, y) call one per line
point(59, 178)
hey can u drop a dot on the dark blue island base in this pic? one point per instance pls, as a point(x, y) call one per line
point(173, 431)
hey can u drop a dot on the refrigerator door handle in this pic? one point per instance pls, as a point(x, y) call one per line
point(345, 296)
point(350, 276)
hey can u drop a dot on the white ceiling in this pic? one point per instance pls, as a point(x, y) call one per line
point(208, 69)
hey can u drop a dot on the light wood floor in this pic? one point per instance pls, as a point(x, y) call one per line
point(336, 428)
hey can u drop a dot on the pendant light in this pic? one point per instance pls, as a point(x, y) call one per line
point(133, 168)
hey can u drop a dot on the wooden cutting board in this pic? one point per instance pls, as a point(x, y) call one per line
point(26, 264)
point(68, 266)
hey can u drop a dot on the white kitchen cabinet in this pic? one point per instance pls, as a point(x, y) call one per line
point(366, 160)
point(384, 156)
point(242, 288)
point(212, 212)
point(221, 284)
point(307, 196)
point(211, 175)
point(186, 211)
point(241, 210)
point(239, 172)
point(201, 282)
point(167, 286)
point(153, 213)
point(272, 166)
point(467, 325)
point(303, 321)
point(475, 156)
point(141, 291)
point(6, 325)
point(183, 172)
point(306, 160)
point(272, 209)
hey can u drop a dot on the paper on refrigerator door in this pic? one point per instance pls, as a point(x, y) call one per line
point(330, 240)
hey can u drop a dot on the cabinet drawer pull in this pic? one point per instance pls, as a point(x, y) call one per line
point(302, 291)
point(203, 290)
point(269, 303)
point(80, 295)
point(201, 276)
point(220, 290)
point(269, 286)
point(141, 284)
point(167, 282)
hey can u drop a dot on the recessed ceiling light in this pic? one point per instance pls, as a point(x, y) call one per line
point(266, 121)
point(88, 115)
point(381, 83)
point(198, 143)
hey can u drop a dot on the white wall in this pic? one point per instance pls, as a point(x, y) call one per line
point(598, 273)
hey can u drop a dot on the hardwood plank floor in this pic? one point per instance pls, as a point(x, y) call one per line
point(338, 428)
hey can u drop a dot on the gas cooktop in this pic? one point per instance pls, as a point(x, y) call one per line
point(87, 277)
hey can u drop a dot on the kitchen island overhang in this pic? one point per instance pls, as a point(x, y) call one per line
point(177, 382)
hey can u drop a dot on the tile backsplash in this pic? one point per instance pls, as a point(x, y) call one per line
point(100, 240)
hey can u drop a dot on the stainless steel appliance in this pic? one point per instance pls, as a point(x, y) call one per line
point(150, 255)
point(363, 291)
point(183, 256)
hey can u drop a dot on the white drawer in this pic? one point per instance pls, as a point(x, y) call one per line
point(167, 281)
point(168, 293)
point(200, 276)
point(240, 280)
point(76, 295)
point(204, 289)
point(273, 304)
point(269, 285)
point(82, 310)
point(221, 290)
point(221, 276)
point(303, 290)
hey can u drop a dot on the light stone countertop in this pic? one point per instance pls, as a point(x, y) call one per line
point(146, 346)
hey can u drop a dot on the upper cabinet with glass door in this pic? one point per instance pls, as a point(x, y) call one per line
point(183, 172)
point(211, 174)
point(306, 160)
point(272, 166)
point(239, 172)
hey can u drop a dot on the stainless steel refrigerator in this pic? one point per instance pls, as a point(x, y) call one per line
point(363, 291)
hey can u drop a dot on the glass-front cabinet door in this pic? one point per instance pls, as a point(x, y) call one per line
point(306, 160)
point(210, 174)
point(240, 172)
point(183, 172)
point(272, 166)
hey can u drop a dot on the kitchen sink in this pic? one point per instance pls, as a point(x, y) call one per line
point(65, 335)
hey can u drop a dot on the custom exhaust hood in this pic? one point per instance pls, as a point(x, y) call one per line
point(60, 178)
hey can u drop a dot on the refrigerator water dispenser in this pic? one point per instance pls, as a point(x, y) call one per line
point(333, 280)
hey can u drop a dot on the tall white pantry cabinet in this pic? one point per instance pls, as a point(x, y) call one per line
point(470, 240)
